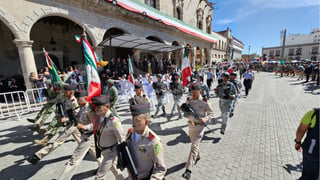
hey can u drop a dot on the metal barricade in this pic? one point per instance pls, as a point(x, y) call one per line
point(13, 104)
point(35, 98)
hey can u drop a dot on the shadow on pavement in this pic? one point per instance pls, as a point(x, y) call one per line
point(310, 87)
point(84, 175)
point(182, 136)
point(297, 83)
point(206, 138)
point(175, 168)
point(19, 171)
point(290, 167)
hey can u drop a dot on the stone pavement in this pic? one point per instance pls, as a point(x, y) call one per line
point(258, 143)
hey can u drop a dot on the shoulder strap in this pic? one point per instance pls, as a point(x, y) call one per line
point(151, 136)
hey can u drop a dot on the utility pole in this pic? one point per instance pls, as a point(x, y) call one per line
point(283, 44)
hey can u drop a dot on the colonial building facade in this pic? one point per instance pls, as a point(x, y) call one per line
point(297, 47)
point(226, 45)
point(28, 26)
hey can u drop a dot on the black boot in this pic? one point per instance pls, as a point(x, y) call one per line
point(187, 174)
point(31, 120)
point(33, 159)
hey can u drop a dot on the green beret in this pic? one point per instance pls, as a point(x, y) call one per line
point(138, 109)
point(101, 100)
point(195, 86)
point(69, 87)
point(81, 93)
point(110, 81)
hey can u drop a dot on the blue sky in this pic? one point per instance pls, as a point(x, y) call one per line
point(257, 23)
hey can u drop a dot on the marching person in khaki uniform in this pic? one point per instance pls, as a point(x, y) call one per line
point(108, 134)
point(69, 103)
point(113, 94)
point(87, 141)
point(144, 145)
point(196, 126)
point(139, 97)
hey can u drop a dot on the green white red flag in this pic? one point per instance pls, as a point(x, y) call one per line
point(230, 69)
point(186, 69)
point(52, 68)
point(131, 79)
point(92, 75)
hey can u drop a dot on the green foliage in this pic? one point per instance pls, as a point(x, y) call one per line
point(198, 66)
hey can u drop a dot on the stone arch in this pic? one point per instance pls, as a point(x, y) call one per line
point(115, 52)
point(10, 22)
point(113, 24)
point(175, 43)
point(43, 12)
point(155, 38)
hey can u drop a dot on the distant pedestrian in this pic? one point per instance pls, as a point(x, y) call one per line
point(248, 78)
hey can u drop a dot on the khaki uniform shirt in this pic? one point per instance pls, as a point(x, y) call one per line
point(203, 109)
point(82, 115)
point(110, 131)
point(147, 154)
point(141, 99)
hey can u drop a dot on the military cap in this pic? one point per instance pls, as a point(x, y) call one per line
point(195, 86)
point(176, 74)
point(110, 81)
point(226, 74)
point(101, 100)
point(69, 87)
point(81, 93)
point(137, 109)
point(233, 74)
point(200, 76)
point(159, 75)
point(137, 85)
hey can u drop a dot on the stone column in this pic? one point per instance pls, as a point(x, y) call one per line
point(136, 55)
point(27, 61)
point(168, 55)
point(209, 57)
point(180, 57)
point(201, 56)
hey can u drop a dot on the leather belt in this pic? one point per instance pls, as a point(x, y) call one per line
point(105, 148)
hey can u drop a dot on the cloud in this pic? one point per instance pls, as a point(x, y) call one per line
point(283, 4)
point(225, 21)
point(250, 7)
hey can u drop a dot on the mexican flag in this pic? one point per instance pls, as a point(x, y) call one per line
point(131, 79)
point(186, 69)
point(99, 61)
point(92, 75)
point(52, 68)
point(230, 69)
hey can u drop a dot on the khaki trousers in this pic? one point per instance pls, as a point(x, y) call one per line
point(109, 163)
point(77, 157)
point(195, 134)
point(71, 130)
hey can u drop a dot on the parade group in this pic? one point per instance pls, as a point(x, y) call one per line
point(97, 128)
